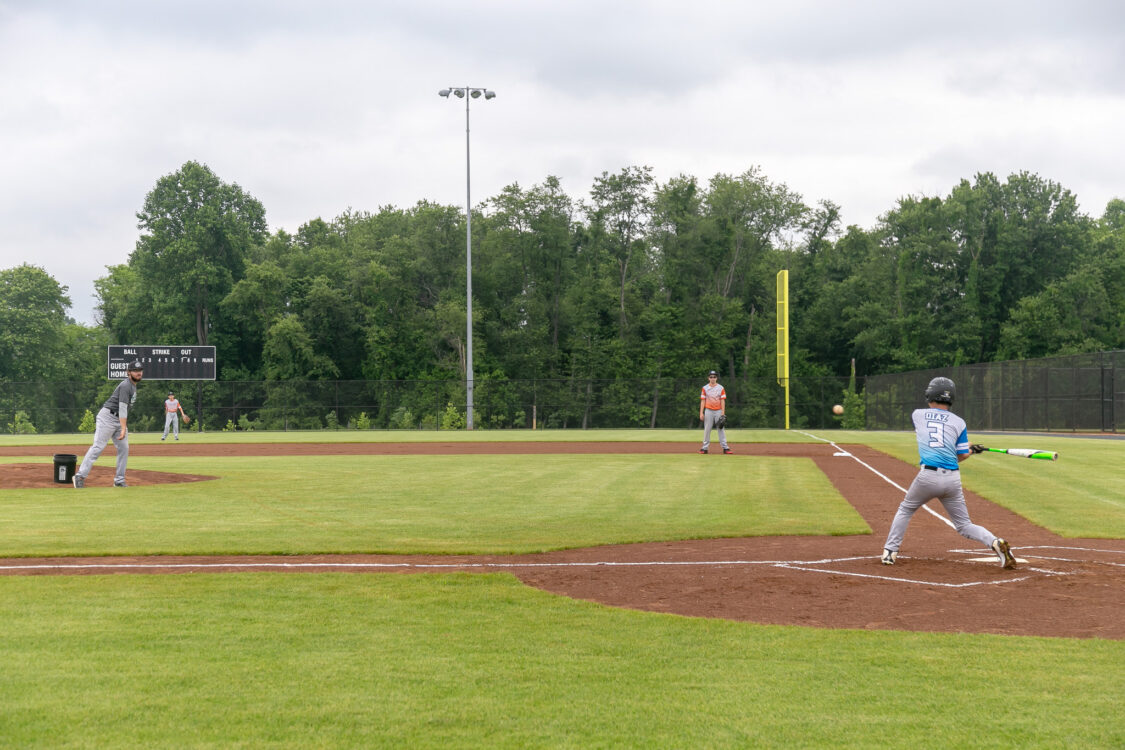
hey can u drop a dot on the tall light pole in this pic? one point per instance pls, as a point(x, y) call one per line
point(467, 93)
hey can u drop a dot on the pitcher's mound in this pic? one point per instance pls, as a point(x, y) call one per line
point(24, 476)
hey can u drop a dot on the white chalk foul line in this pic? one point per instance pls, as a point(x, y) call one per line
point(884, 477)
point(801, 565)
point(423, 566)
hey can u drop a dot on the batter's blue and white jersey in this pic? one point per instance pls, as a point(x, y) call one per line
point(942, 436)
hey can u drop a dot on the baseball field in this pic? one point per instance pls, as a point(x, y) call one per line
point(555, 589)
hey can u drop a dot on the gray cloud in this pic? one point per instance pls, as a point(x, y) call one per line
point(318, 107)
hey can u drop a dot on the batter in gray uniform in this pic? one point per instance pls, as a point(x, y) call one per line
point(111, 425)
point(943, 443)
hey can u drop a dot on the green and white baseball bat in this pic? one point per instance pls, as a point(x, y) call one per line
point(1028, 453)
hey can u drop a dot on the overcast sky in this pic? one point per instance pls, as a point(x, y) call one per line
point(317, 107)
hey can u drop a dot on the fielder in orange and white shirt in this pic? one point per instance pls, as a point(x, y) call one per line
point(713, 404)
point(172, 413)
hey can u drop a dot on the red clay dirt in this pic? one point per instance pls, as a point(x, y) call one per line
point(1064, 588)
point(23, 476)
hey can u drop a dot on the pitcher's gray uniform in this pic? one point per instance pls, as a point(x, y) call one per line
point(107, 427)
point(943, 442)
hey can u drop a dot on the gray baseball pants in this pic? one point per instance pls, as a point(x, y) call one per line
point(944, 485)
point(106, 428)
point(171, 419)
point(709, 417)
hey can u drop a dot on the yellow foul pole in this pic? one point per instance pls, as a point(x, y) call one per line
point(783, 337)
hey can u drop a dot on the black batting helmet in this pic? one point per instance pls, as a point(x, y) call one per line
point(136, 365)
point(941, 391)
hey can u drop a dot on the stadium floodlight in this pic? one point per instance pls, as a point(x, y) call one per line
point(473, 93)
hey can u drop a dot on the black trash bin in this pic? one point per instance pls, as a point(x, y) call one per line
point(65, 464)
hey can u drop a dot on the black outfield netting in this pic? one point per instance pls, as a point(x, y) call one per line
point(1077, 393)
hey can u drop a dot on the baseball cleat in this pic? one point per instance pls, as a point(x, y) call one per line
point(1004, 551)
point(702, 450)
point(889, 557)
point(728, 451)
point(78, 482)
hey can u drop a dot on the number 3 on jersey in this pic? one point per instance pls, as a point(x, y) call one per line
point(936, 433)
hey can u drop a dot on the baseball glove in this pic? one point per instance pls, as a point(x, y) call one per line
point(721, 421)
point(187, 419)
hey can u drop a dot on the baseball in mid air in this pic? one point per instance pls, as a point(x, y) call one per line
point(837, 409)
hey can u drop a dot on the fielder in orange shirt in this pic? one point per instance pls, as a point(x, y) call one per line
point(712, 405)
point(172, 413)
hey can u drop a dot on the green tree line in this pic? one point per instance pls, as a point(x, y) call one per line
point(636, 279)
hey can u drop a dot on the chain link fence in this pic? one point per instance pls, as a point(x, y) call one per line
point(1077, 393)
point(428, 404)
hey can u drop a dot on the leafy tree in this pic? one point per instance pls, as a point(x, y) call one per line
point(288, 353)
point(640, 281)
point(125, 307)
point(254, 303)
point(1072, 315)
point(748, 220)
point(452, 418)
point(197, 232)
point(32, 324)
point(928, 323)
point(1015, 238)
point(410, 262)
point(619, 215)
point(525, 266)
point(332, 319)
point(748, 215)
point(22, 424)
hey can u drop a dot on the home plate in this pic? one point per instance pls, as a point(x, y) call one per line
point(993, 559)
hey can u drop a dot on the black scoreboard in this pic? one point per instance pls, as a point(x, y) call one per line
point(164, 362)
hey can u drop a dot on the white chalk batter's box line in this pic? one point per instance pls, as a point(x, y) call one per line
point(810, 566)
point(1029, 552)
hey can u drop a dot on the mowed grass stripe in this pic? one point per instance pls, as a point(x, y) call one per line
point(439, 661)
point(428, 504)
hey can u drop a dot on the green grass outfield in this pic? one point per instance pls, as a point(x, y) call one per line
point(360, 660)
